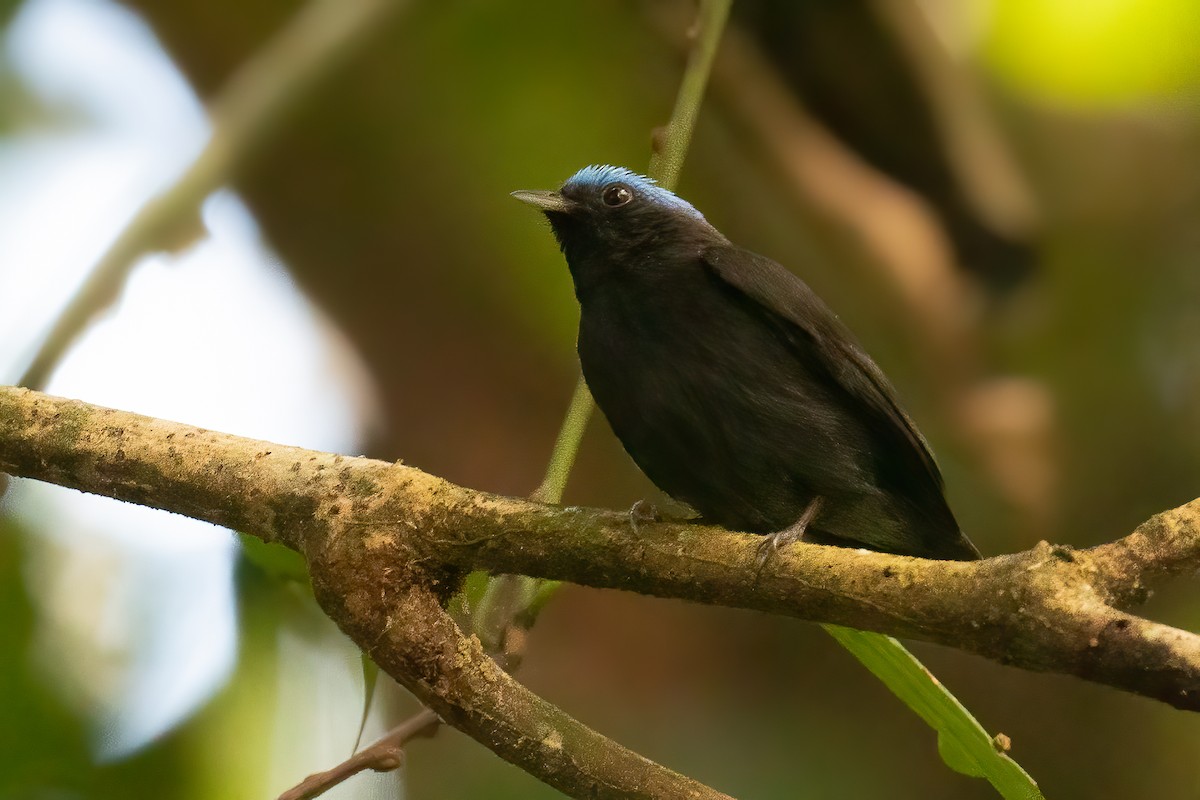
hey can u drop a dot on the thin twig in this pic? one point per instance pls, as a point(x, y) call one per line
point(385, 755)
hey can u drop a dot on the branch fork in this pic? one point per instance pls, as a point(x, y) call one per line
point(387, 544)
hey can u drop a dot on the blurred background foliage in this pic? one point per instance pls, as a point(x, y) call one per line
point(1000, 196)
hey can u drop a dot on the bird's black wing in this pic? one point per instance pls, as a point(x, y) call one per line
point(790, 303)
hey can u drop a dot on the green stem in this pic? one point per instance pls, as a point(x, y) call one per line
point(495, 602)
point(668, 161)
point(566, 446)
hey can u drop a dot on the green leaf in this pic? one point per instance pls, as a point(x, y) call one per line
point(540, 594)
point(962, 742)
point(370, 672)
point(466, 603)
point(956, 757)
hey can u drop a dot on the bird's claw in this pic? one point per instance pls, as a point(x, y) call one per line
point(642, 512)
point(767, 548)
point(772, 543)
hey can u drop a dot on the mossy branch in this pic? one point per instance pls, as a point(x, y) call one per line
point(387, 543)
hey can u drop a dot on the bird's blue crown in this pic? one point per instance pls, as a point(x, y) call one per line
point(600, 175)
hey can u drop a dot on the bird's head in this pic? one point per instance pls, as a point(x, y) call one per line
point(611, 218)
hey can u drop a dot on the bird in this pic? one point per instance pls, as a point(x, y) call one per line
point(732, 385)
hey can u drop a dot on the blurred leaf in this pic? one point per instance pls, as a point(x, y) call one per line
point(41, 743)
point(45, 749)
point(1096, 53)
point(541, 592)
point(274, 560)
point(236, 766)
point(468, 599)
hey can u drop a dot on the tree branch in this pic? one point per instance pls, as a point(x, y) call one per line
point(386, 544)
point(384, 755)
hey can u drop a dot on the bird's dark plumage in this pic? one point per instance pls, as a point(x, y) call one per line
point(731, 384)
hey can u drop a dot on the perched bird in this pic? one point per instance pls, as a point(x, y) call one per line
point(732, 385)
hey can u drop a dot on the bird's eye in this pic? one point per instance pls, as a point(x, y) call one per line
point(616, 195)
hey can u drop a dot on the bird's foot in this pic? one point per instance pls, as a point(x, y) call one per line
point(643, 512)
point(792, 533)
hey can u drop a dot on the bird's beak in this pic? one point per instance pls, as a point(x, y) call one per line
point(546, 201)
